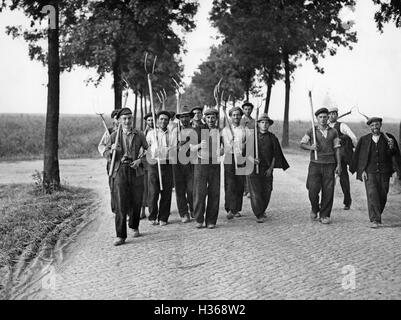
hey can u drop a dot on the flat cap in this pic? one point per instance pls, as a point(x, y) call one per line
point(374, 119)
point(123, 112)
point(321, 110)
point(196, 108)
point(332, 109)
point(211, 111)
point(165, 112)
point(235, 109)
point(265, 117)
point(114, 113)
point(149, 114)
point(247, 104)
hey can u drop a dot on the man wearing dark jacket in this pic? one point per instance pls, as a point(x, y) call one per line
point(375, 159)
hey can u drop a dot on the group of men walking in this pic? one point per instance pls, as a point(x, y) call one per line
point(187, 156)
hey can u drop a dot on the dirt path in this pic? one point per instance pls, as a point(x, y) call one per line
point(288, 257)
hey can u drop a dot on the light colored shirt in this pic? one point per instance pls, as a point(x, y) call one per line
point(375, 138)
point(163, 143)
point(240, 134)
point(103, 142)
point(248, 122)
point(346, 131)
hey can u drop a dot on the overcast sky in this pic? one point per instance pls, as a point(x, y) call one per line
point(368, 76)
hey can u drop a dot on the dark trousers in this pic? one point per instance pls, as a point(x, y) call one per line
point(321, 178)
point(111, 188)
point(233, 189)
point(145, 189)
point(206, 183)
point(345, 185)
point(377, 187)
point(183, 181)
point(260, 189)
point(160, 211)
point(128, 190)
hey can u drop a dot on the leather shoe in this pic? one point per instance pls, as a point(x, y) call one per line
point(230, 215)
point(119, 241)
point(325, 220)
point(162, 223)
point(136, 233)
point(313, 216)
point(260, 220)
point(185, 219)
point(211, 226)
point(199, 225)
point(347, 207)
point(237, 215)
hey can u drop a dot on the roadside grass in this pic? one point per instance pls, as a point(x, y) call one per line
point(32, 222)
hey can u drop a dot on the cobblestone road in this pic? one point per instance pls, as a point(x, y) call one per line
point(288, 257)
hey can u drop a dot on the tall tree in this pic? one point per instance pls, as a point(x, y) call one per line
point(390, 11)
point(62, 16)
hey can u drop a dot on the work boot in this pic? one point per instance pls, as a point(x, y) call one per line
point(325, 220)
point(136, 233)
point(237, 215)
point(313, 216)
point(230, 215)
point(347, 207)
point(199, 225)
point(185, 218)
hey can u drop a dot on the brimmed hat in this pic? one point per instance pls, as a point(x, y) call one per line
point(265, 117)
point(165, 112)
point(149, 114)
point(321, 110)
point(332, 109)
point(123, 111)
point(247, 104)
point(185, 112)
point(235, 109)
point(211, 111)
point(374, 119)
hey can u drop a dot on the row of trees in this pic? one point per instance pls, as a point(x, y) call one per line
point(111, 36)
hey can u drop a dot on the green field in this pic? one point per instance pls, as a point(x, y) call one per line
point(22, 135)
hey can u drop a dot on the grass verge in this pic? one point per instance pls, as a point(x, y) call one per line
point(32, 222)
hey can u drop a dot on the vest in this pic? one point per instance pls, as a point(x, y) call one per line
point(346, 150)
point(378, 160)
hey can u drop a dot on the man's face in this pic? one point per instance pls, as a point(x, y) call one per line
point(149, 122)
point(236, 117)
point(333, 116)
point(375, 127)
point(197, 115)
point(264, 126)
point(322, 119)
point(211, 120)
point(126, 121)
point(184, 119)
point(248, 110)
point(163, 121)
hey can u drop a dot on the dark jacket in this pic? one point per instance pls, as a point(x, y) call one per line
point(361, 156)
point(280, 161)
point(138, 142)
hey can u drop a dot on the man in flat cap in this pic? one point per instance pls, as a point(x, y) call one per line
point(149, 126)
point(248, 122)
point(197, 120)
point(207, 171)
point(102, 148)
point(159, 140)
point(127, 174)
point(183, 170)
point(375, 159)
point(270, 156)
point(348, 141)
point(234, 147)
point(322, 170)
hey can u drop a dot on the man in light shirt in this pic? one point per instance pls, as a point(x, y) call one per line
point(348, 141)
point(321, 170)
point(159, 146)
point(248, 122)
point(234, 147)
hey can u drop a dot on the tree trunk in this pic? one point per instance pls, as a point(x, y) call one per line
point(247, 94)
point(285, 141)
point(136, 111)
point(268, 92)
point(51, 171)
point(142, 114)
point(118, 91)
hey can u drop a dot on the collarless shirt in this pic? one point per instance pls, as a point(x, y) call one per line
point(161, 141)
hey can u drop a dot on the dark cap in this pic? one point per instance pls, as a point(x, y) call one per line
point(265, 117)
point(114, 113)
point(196, 108)
point(149, 114)
point(123, 111)
point(374, 119)
point(321, 110)
point(235, 109)
point(172, 114)
point(247, 104)
point(165, 112)
point(211, 111)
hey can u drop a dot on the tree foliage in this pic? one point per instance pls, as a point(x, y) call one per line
point(390, 11)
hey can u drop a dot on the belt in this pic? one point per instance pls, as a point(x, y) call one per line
point(126, 161)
